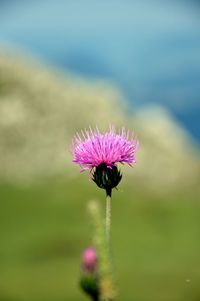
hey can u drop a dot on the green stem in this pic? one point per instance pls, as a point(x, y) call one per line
point(108, 218)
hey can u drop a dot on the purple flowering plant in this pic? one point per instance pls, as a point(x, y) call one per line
point(99, 153)
point(95, 148)
point(89, 281)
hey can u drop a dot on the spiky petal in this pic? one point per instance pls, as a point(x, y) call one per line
point(93, 148)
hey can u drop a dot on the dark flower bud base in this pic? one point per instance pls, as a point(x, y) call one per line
point(89, 283)
point(107, 177)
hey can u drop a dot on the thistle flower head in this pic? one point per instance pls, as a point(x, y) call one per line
point(89, 280)
point(101, 152)
point(95, 148)
point(89, 260)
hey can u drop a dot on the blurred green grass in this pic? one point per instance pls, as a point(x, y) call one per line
point(45, 227)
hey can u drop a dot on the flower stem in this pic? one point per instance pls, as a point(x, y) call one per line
point(108, 218)
point(106, 282)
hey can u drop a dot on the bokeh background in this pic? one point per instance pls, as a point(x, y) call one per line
point(68, 65)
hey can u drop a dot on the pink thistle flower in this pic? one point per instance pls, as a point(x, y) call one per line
point(101, 152)
point(95, 148)
point(89, 260)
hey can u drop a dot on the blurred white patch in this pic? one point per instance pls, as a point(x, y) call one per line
point(12, 112)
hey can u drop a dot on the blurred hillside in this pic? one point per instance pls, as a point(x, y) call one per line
point(41, 109)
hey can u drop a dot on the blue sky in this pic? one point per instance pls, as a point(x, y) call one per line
point(150, 49)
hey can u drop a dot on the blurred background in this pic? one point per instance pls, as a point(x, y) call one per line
point(68, 65)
